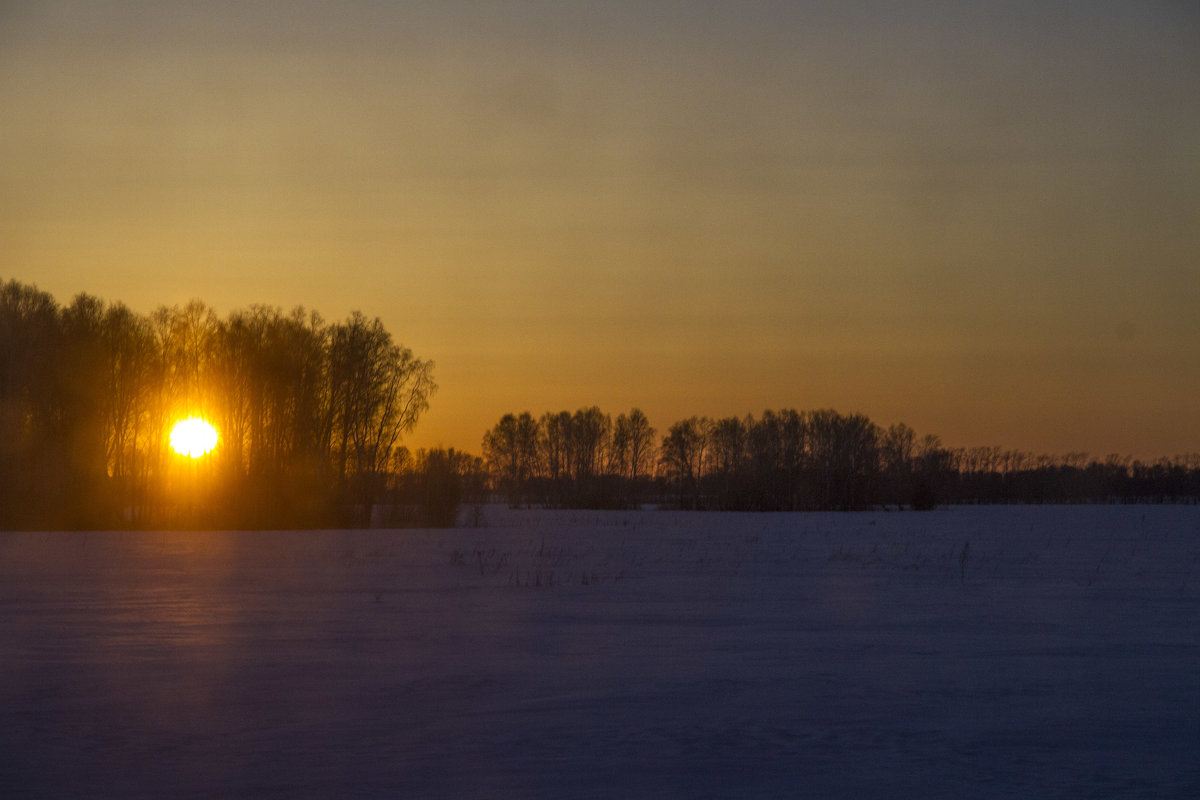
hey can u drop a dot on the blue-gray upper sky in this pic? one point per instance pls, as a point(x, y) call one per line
point(980, 219)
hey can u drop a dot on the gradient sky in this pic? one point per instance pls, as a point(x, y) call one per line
point(979, 219)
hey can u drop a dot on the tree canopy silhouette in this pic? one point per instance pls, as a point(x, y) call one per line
point(312, 417)
point(791, 460)
point(310, 414)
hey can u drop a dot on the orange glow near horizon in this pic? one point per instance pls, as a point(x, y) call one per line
point(978, 223)
point(193, 437)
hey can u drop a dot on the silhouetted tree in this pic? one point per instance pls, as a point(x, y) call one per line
point(378, 391)
point(555, 456)
point(683, 452)
point(729, 455)
point(633, 451)
point(845, 459)
point(511, 449)
point(28, 352)
point(896, 448)
point(590, 432)
point(127, 385)
point(440, 482)
point(274, 402)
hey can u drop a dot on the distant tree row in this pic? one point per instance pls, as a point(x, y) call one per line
point(992, 475)
point(310, 414)
point(792, 460)
point(585, 459)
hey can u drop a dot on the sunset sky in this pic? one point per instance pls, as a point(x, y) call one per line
point(979, 219)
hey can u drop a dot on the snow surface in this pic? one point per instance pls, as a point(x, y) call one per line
point(595, 654)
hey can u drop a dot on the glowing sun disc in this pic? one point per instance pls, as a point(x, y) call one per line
point(193, 437)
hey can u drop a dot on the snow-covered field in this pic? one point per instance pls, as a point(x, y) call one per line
point(969, 652)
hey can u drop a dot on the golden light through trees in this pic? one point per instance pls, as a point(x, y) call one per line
point(193, 437)
point(181, 417)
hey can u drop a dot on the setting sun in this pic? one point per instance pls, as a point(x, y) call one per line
point(193, 437)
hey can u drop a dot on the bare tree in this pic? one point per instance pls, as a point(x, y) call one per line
point(728, 439)
point(128, 343)
point(557, 453)
point(633, 452)
point(29, 341)
point(379, 390)
point(590, 431)
point(683, 450)
point(845, 458)
point(511, 449)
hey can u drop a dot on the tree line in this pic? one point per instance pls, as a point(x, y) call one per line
point(791, 460)
point(310, 415)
